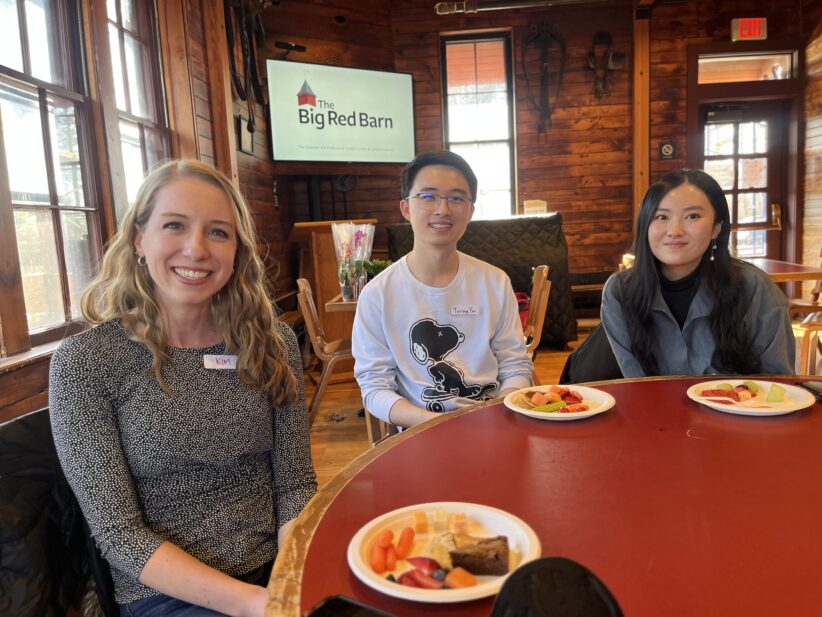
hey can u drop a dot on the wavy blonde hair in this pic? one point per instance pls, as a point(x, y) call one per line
point(242, 310)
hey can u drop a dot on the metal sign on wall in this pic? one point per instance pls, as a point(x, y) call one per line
point(749, 29)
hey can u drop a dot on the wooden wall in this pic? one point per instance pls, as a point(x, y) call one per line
point(812, 32)
point(198, 67)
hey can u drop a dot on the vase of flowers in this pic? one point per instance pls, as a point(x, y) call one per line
point(352, 244)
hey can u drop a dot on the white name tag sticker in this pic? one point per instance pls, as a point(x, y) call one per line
point(465, 309)
point(220, 362)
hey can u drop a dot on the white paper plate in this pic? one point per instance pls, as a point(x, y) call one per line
point(597, 401)
point(484, 522)
point(795, 398)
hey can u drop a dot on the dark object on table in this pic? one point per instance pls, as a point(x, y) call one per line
point(555, 587)
point(814, 387)
point(340, 606)
point(592, 361)
point(516, 246)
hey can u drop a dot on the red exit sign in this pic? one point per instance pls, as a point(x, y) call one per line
point(749, 29)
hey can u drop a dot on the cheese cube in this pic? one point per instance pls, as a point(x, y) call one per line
point(420, 522)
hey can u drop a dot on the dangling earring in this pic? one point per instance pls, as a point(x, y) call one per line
point(141, 259)
point(713, 249)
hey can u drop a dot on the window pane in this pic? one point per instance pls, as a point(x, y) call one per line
point(136, 77)
point(460, 62)
point(719, 139)
point(491, 67)
point(723, 172)
point(111, 10)
point(753, 173)
point(750, 244)
point(44, 47)
point(155, 148)
point(481, 116)
point(753, 137)
point(753, 207)
point(743, 67)
point(132, 158)
point(69, 177)
point(117, 67)
point(23, 140)
point(11, 51)
point(129, 15)
point(39, 268)
point(77, 250)
point(492, 163)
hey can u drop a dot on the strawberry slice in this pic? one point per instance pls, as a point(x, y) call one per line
point(426, 565)
point(425, 581)
point(407, 579)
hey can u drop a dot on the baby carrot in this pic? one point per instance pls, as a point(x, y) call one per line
point(378, 558)
point(405, 542)
point(385, 538)
point(390, 557)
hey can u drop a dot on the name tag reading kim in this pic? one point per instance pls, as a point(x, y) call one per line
point(220, 362)
point(465, 309)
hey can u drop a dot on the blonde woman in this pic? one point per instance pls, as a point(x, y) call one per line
point(179, 419)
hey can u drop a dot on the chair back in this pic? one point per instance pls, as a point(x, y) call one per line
point(540, 292)
point(799, 306)
point(378, 429)
point(312, 319)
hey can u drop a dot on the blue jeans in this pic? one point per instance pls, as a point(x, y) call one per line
point(162, 606)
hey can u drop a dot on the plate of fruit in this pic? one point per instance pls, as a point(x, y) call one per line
point(441, 552)
point(751, 397)
point(559, 402)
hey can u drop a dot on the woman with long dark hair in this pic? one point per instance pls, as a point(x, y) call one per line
point(687, 307)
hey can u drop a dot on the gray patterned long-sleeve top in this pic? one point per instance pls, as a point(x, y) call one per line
point(214, 470)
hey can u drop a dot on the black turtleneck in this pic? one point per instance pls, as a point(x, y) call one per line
point(678, 295)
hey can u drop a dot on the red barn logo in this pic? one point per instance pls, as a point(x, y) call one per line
point(306, 95)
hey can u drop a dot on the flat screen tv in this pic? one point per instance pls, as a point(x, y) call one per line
point(332, 113)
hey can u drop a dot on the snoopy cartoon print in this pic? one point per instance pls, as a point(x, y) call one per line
point(431, 342)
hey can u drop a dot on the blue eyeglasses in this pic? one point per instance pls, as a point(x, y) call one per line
point(429, 200)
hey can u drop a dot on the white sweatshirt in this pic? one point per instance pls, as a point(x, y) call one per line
point(439, 348)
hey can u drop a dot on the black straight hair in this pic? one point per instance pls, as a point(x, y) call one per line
point(443, 157)
point(722, 278)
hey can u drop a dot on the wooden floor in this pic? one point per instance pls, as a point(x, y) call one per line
point(338, 435)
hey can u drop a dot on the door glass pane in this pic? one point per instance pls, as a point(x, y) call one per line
point(39, 268)
point(723, 172)
point(492, 163)
point(753, 173)
point(744, 67)
point(719, 139)
point(136, 77)
point(77, 249)
point(753, 137)
point(132, 158)
point(750, 244)
point(117, 67)
point(23, 140)
point(753, 207)
point(11, 51)
point(69, 177)
point(44, 48)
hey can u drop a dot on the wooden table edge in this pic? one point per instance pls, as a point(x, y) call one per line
point(338, 305)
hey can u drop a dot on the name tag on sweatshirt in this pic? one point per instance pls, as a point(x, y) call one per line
point(465, 309)
point(220, 362)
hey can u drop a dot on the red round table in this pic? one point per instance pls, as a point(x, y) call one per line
point(679, 509)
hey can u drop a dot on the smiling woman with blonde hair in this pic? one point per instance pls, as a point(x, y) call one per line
point(180, 417)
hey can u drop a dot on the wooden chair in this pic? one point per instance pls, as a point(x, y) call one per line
point(378, 429)
point(801, 306)
point(809, 330)
point(328, 352)
point(540, 291)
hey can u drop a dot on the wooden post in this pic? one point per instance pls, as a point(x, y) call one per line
point(642, 103)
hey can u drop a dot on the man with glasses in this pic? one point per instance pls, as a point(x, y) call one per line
point(439, 329)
